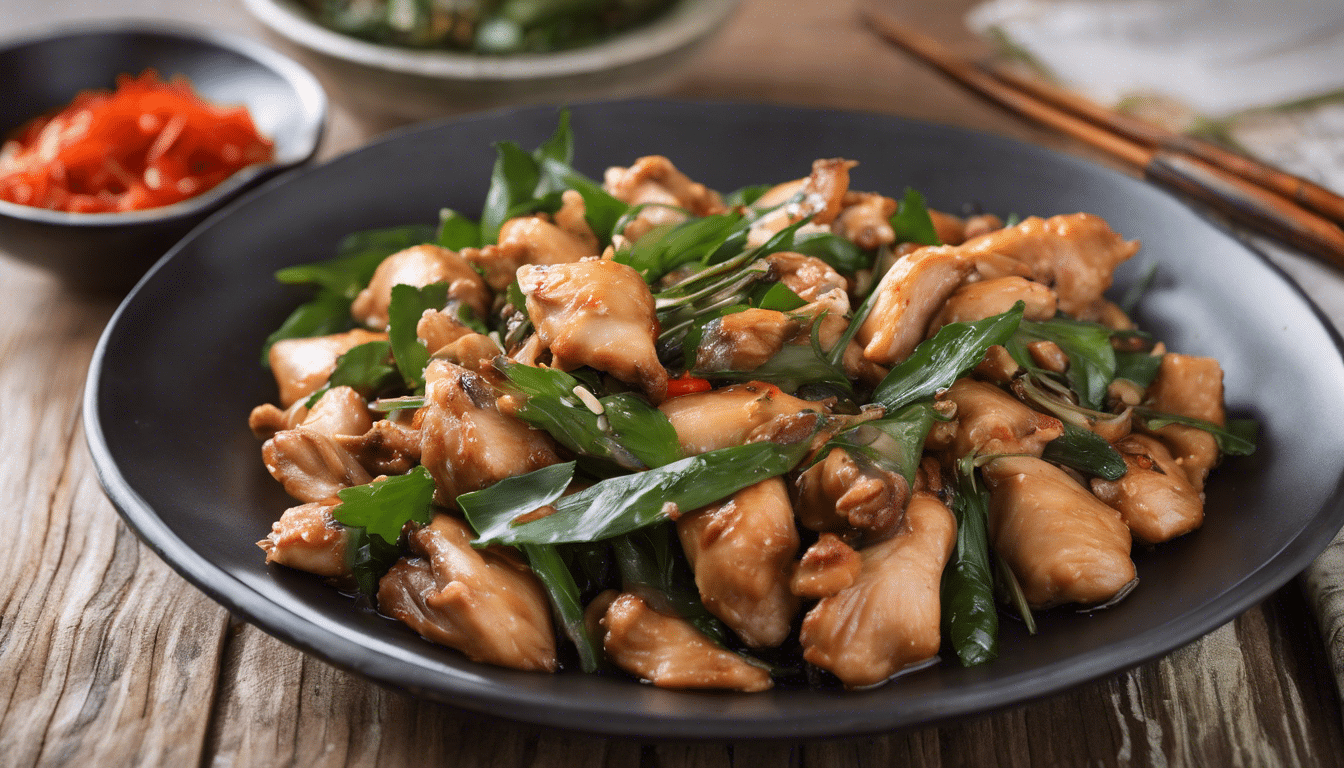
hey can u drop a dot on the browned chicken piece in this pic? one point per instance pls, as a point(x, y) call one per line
point(890, 618)
point(982, 224)
point(828, 566)
point(951, 229)
point(865, 220)
point(600, 314)
point(670, 653)
point(1109, 314)
point(572, 218)
point(1192, 386)
point(741, 551)
point(841, 494)
point(986, 298)
point(1074, 254)
point(466, 443)
point(991, 421)
point(449, 339)
point(387, 448)
point(1048, 355)
point(265, 420)
point(526, 240)
point(308, 538)
point(728, 416)
point(807, 276)
point(655, 180)
point(998, 365)
point(483, 602)
point(302, 366)
point(340, 411)
point(744, 341)
point(311, 465)
point(910, 294)
point(419, 266)
point(1061, 542)
point(823, 195)
point(1154, 498)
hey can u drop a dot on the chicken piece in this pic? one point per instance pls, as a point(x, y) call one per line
point(483, 602)
point(302, 366)
point(744, 341)
point(823, 195)
point(741, 551)
point(1061, 542)
point(386, 448)
point(466, 443)
point(1075, 254)
point(908, 297)
point(340, 411)
point(742, 413)
point(523, 241)
point(573, 219)
point(449, 339)
point(597, 313)
point(807, 276)
point(1154, 498)
point(265, 420)
point(991, 421)
point(890, 618)
point(986, 298)
point(308, 538)
point(865, 220)
point(981, 224)
point(951, 229)
point(655, 180)
point(828, 566)
point(841, 494)
point(419, 266)
point(1190, 386)
point(311, 465)
point(670, 653)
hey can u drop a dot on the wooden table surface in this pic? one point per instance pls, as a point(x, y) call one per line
point(108, 658)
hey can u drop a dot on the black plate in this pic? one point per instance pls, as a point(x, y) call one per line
point(176, 373)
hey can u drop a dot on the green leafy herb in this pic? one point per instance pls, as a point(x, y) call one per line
point(791, 368)
point(1086, 451)
point(894, 442)
point(1237, 438)
point(690, 242)
point(840, 253)
point(364, 368)
point(325, 314)
point(558, 581)
point(600, 209)
point(642, 429)
point(626, 503)
point(1092, 363)
point(774, 296)
point(936, 363)
point(384, 507)
point(407, 305)
point(513, 182)
point(457, 231)
point(1135, 293)
point(912, 222)
point(358, 257)
point(648, 561)
point(746, 195)
point(970, 617)
point(369, 558)
point(1138, 367)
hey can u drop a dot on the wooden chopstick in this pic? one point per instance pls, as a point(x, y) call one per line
point(1168, 163)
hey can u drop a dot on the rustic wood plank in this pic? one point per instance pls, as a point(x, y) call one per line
point(104, 658)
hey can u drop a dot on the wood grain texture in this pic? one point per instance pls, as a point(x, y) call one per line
point(107, 658)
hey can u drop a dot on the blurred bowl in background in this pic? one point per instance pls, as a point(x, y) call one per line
point(412, 84)
point(42, 73)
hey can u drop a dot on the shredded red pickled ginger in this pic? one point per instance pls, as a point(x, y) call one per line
point(147, 144)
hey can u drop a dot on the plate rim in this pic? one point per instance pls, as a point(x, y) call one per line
point(496, 699)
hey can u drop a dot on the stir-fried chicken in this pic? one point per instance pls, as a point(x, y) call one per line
point(822, 197)
point(307, 538)
point(302, 366)
point(387, 448)
point(1063, 544)
point(985, 298)
point(310, 464)
point(910, 294)
point(523, 241)
point(742, 413)
point(827, 567)
point(572, 218)
point(1075, 254)
point(419, 266)
point(655, 182)
point(741, 551)
point(865, 220)
point(990, 421)
point(466, 443)
point(483, 602)
point(744, 341)
point(1155, 498)
point(1192, 386)
point(841, 494)
point(597, 313)
point(807, 276)
point(890, 617)
point(265, 420)
point(670, 653)
point(447, 338)
point(340, 411)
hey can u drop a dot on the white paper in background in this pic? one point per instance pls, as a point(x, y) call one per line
point(1223, 59)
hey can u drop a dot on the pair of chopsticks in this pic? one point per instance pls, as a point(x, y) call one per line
point(1276, 203)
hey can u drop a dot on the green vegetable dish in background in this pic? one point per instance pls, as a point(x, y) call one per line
point(486, 26)
point(794, 434)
